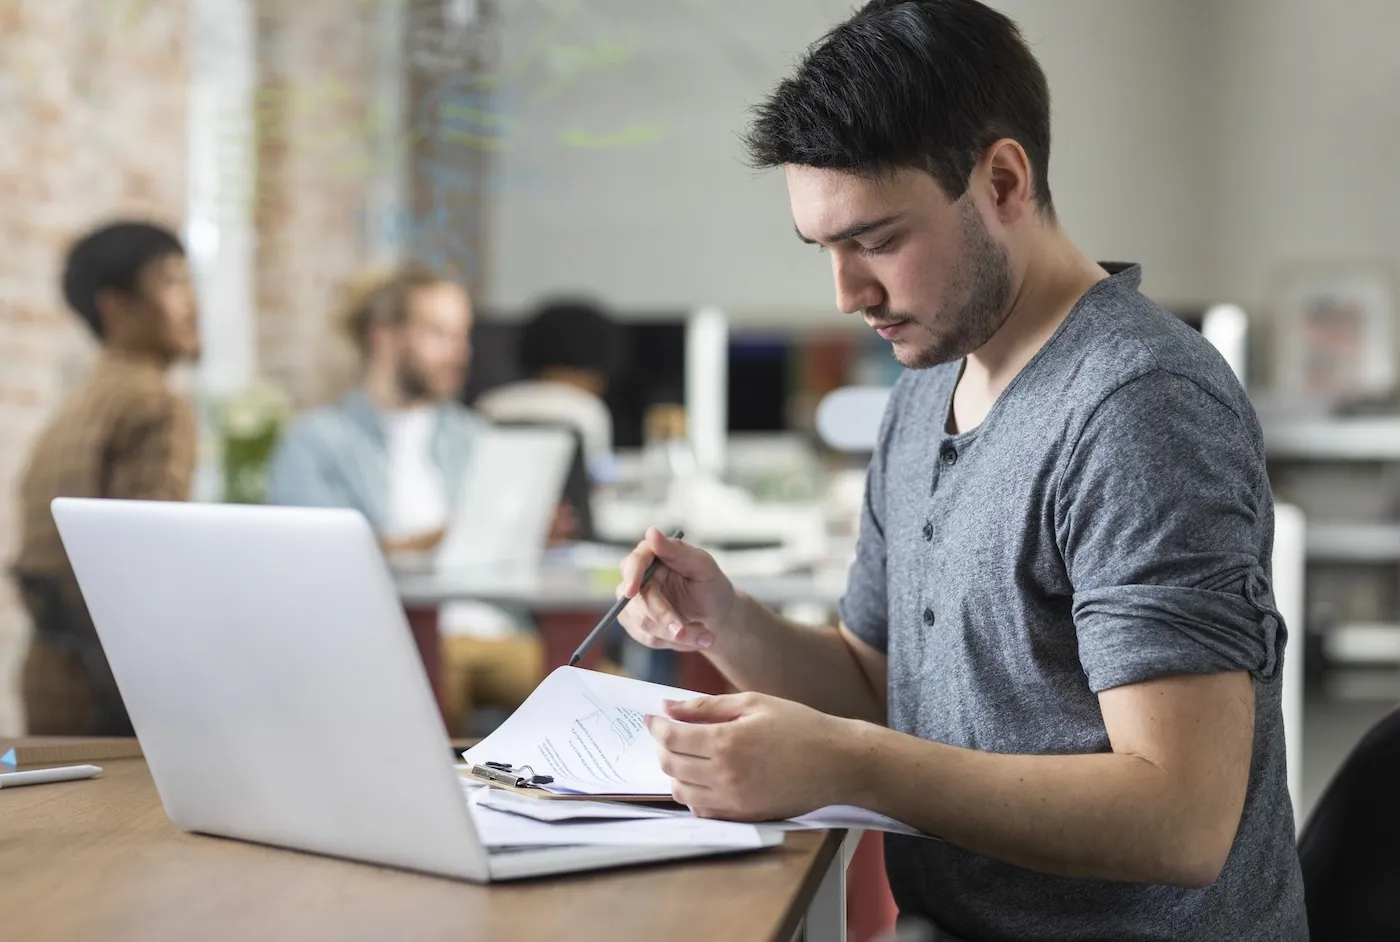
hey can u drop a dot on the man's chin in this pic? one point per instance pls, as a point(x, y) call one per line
point(914, 357)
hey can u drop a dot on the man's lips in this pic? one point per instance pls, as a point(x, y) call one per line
point(890, 329)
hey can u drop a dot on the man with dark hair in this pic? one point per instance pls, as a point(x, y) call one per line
point(124, 434)
point(1059, 649)
point(570, 352)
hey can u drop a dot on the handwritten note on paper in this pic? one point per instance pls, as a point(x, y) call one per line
point(586, 730)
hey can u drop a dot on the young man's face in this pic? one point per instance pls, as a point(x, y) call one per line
point(161, 317)
point(924, 271)
point(433, 346)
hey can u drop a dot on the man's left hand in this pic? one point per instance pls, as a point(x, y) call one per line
point(750, 757)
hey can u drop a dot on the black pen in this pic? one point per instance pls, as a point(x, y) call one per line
point(617, 608)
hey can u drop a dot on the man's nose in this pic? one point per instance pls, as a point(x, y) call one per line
point(856, 288)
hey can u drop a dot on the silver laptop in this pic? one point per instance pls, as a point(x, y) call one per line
point(506, 502)
point(269, 671)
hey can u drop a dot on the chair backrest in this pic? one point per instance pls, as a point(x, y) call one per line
point(1350, 847)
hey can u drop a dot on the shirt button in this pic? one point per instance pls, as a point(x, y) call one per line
point(950, 455)
point(928, 532)
point(928, 616)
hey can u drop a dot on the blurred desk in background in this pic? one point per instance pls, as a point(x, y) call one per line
point(561, 589)
point(567, 602)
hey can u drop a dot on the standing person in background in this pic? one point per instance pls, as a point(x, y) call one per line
point(396, 449)
point(570, 352)
point(124, 433)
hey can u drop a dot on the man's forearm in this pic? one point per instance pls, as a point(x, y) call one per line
point(1101, 816)
point(762, 651)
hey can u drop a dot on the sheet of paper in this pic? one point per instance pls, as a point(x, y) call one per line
point(505, 829)
point(586, 730)
point(501, 800)
point(832, 816)
point(850, 818)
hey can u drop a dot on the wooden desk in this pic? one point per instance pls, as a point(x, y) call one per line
point(99, 859)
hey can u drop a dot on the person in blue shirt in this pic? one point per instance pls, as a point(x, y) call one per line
point(396, 448)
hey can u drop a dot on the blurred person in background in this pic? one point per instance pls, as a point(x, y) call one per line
point(570, 351)
point(396, 449)
point(124, 433)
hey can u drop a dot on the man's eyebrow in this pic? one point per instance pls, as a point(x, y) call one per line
point(852, 232)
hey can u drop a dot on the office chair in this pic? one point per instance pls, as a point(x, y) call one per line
point(1350, 848)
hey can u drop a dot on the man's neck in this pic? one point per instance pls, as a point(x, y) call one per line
point(140, 357)
point(1057, 274)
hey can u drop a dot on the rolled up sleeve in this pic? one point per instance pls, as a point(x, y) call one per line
point(1166, 528)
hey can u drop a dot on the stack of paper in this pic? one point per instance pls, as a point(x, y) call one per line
point(501, 823)
point(587, 731)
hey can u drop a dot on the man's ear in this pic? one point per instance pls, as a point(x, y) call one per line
point(1008, 173)
point(113, 310)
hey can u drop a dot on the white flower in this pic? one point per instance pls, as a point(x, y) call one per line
point(253, 412)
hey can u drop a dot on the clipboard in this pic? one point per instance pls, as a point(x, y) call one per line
point(513, 779)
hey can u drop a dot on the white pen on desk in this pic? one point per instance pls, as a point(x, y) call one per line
point(65, 773)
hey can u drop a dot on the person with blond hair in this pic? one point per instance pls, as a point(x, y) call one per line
point(396, 448)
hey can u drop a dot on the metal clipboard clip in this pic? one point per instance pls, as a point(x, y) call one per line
point(506, 774)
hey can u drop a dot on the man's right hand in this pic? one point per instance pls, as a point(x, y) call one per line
point(686, 602)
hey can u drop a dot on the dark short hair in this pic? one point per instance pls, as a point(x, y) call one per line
point(112, 257)
point(922, 84)
point(572, 333)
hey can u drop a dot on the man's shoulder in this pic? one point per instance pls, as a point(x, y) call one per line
point(528, 399)
point(1118, 336)
point(330, 426)
point(132, 394)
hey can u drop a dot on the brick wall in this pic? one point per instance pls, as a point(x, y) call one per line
point(92, 110)
point(313, 117)
point(93, 97)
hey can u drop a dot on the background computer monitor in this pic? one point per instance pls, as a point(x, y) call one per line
point(759, 373)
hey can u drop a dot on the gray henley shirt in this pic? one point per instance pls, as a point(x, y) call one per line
point(1109, 522)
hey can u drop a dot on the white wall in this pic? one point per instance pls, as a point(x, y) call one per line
point(1127, 159)
point(679, 221)
point(1306, 135)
